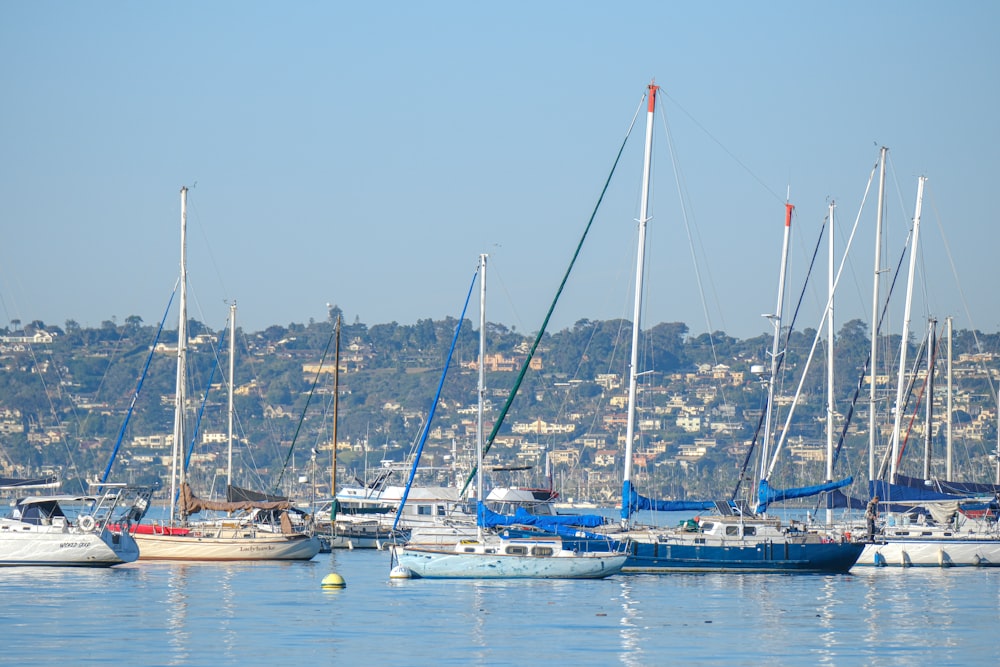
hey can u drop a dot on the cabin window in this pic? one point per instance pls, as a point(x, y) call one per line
point(707, 526)
point(542, 551)
point(749, 531)
point(424, 510)
point(517, 551)
point(470, 550)
point(440, 509)
point(732, 531)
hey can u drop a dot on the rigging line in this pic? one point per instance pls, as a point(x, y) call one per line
point(783, 354)
point(498, 278)
point(204, 401)
point(750, 450)
point(434, 404)
point(902, 409)
point(917, 362)
point(812, 351)
point(868, 360)
point(138, 388)
point(723, 147)
point(194, 215)
point(302, 417)
point(267, 424)
point(685, 216)
point(693, 248)
point(961, 296)
point(552, 306)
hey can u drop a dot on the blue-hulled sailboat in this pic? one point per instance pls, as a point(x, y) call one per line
point(734, 537)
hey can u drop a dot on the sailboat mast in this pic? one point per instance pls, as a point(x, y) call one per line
point(481, 392)
point(177, 472)
point(906, 332)
point(949, 419)
point(232, 367)
point(928, 429)
point(767, 440)
point(336, 415)
point(830, 364)
point(873, 365)
point(637, 309)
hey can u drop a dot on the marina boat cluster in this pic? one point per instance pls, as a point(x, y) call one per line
point(469, 531)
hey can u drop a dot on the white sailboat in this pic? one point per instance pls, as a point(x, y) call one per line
point(906, 538)
point(215, 541)
point(66, 530)
point(499, 555)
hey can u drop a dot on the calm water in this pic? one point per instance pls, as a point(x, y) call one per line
point(278, 614)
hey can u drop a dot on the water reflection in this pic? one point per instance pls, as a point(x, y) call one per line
point(629, 631)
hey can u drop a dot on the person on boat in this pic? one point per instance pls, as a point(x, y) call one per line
point(871, 514)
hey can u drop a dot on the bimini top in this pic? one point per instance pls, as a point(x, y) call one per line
point(63, 498)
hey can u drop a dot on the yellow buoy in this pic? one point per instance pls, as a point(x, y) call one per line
point(333, 580)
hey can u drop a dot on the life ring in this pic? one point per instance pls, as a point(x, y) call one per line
point(86, 523)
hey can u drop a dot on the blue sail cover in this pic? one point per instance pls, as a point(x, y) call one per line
point(839, 500)
point(632, 502)
point(909, 494)
point(767, 495)
point(964, 489)
point(522, 517)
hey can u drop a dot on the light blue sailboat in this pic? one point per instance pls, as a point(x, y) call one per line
point(500, 555)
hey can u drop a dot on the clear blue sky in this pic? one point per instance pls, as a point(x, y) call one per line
point(364, 154)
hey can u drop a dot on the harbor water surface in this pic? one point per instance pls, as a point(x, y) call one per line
point(160, 613)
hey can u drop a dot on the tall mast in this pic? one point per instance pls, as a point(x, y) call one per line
point(481, 392)
point(906, 332)
point(177, 472)
point(948, 420)
point(637, 309)
point(928, 429)
point(232, 367)
point(336, 414)
point(767, 440)
point(873, 365)
point(830, 366)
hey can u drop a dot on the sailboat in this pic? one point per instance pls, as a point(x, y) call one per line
point(499, 555)
point(733, 537)
point(65, 529)
point(925, 527)
point(214, 541)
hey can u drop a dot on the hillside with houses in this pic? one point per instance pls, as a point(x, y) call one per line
point(65, 393)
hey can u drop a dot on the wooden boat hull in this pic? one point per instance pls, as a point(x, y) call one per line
point(260, 546)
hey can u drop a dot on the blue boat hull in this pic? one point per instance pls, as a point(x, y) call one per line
point(828, 557)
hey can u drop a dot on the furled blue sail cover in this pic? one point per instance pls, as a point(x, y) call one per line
point(767, 495)
point(522, 517)
point(632, 502)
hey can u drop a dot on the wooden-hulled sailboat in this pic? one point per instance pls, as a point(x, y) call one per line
point(492, 555)
point(219, 541)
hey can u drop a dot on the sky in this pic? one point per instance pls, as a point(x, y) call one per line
point(365, 154)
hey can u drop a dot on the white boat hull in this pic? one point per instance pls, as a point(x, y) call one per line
point(261, 546)
point(26, 544)
point(917, 552)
